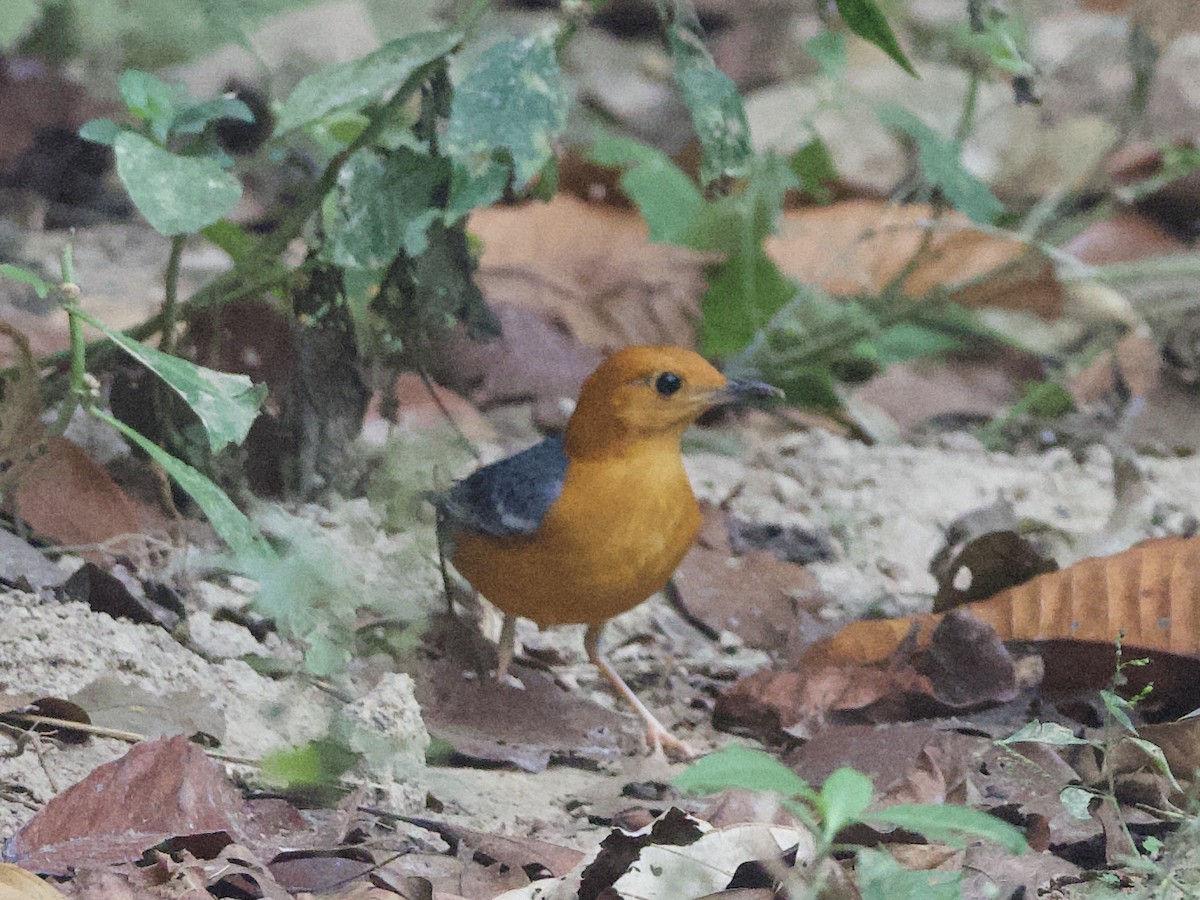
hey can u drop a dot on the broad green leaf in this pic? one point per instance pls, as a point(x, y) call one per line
point(1049, 733)
point(469, 191)
point(716, 109)
point(443, 287)
point(227, 520)
point(314, 764)
point(232, 238)
point(16, 273)
point(879, 877)
point(947, 822)
point(740, 301)
point(941, 163)
point(100, 131)
point(353, 85)
point(1077, 801)
point(844, 798)
point(665, 196)
point(511, 99)
point(907, 341)
point(369, 218)
point(176, 194)
point(18, 18)
point(194, 118)
point(866, 20)
point(741, 767)
point(829, 50)
point(814, 169)
point(226, 405)
point(150, 99)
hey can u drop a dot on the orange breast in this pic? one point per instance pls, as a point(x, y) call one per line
point(614, 537)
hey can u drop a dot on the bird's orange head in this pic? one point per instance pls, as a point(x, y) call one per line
point(641, 393)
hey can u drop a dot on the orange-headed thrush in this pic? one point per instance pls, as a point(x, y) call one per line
point(586, 525)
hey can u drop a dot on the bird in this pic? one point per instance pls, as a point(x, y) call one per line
point(588, 524)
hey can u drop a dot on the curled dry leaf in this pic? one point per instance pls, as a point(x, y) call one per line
point(1149, 593)
point(860, 246)
point(590, 269)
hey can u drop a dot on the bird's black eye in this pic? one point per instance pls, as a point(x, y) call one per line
point(668, 383)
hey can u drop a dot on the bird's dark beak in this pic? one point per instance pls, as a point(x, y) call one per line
point(744, 391)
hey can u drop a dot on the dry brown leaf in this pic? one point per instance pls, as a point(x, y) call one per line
point(1125, 236)
point(590, 269)
point(17, 884)
point(1150, 593)
point(21, 428)
point(68, 497)
point(860, 246)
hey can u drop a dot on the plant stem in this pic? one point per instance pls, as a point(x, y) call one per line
point(967, 120)
point(78, 349)
point(170, 310)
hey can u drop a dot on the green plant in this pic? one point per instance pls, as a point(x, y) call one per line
point(1116, 732)
point(844, 800)
point(225, 406)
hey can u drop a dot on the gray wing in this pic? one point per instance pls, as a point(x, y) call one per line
point(508, 497)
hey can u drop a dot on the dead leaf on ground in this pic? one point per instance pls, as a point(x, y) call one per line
point(860, 246)
point(1149, 593)
point(18, 884)
point(943, 392)
point(534, 359)
point(482, 719)
point(158, 790)
point(962, 666)
point(768, 603)
point(70, 499)
point(120, 593)
point(22, 431)
point(590, 269)
point(415, 410)
point(1123, 237)
point(1131, 369)
point(984, 553)
point(113, 703)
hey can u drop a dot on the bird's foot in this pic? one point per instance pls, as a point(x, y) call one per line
point(661, 742)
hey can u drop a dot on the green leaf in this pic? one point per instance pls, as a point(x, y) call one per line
point(941, 163)
point(662, 192)
point(739, 302)
point(194, 118)
point(879, 877)
point(369, 218)
point(1077, 801)
point(1048, 733)
point(946, 822)
point(315, 764)
point(150, 99)
point(100, 131)
point(232, 238)
point(351, 86)
point(511, 99)
point(716, 109)
point(16, 273)
point(226, 405)
point(829, 50)
point(176, 194)
point(845, 796)
point(741, 767)
point(469, 191)
point(907, 341)
point(812, 387)
point(866, 20)
point(1117, 707)
point(18, 19)
point(814, 169)
point(227, 520)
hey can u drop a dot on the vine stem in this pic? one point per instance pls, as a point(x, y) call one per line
point(170, 307)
